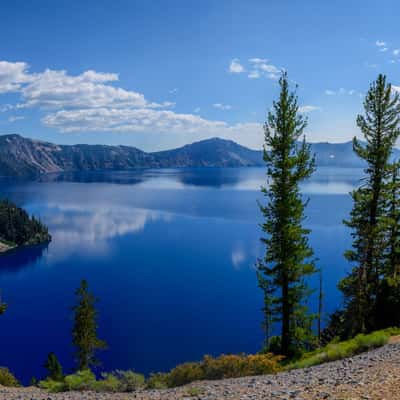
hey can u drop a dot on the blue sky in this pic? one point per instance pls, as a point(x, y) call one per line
point(159, 74)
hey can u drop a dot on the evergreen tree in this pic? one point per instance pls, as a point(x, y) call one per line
point(3, 306)
point(54, 368)
point(84, 332)
point(389, 297)
point(369, 216)
point(288, 262)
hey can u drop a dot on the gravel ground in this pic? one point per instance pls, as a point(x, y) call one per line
point(370, 376)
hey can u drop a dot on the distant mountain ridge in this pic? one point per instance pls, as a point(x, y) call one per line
point(24, 157)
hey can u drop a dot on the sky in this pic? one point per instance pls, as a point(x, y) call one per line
point(161, 74)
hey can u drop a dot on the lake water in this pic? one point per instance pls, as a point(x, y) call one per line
point(169, 253)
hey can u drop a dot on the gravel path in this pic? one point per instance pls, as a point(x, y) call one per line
point(370, 376)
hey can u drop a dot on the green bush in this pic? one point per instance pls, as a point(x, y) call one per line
point(185, 373)
point(348, 348)
point(81, 380)
point(129, 380)
point(7, 378)
point(224, 366)
point(157, 380)
point(53, 386)
point(109, 383)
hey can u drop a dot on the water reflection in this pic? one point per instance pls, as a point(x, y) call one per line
point(170, 253)
point(90, 228)
point(16, 261)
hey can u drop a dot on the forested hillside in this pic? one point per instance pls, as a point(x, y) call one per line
point(17, 228)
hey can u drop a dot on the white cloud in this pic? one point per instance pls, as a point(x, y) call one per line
point(15, 118)
point(173, 91)
point(380, 43)
point(261, 67)
point(254, 74)
point(57, 89)
point(341, 91)
point(221, 106)
point(396, 52)
point(142, 120)
point(12, 76)
point(89, 102)
point(307, 109)
point(235, 67)
point(383, 49)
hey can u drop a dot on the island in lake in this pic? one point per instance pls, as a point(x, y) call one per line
point(18, 228)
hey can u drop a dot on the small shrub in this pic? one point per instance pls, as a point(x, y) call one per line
point(157, 381)
point(82, 380)
point(129, 380)
point(109, 383)
point(33, 381)
point(194, 391)
point(53, 386)
point(7, 378)
point(224, 366)
point(185, 373)
point(54, 368)
point(348, 348)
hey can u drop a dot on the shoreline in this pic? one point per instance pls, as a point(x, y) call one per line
point(370, 375)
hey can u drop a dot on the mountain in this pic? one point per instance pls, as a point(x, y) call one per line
point(26, 157)
point(23, 157)
point(210, 153)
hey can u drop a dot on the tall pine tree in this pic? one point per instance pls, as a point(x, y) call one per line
point(369, 216)
point(389, 296)
point(3, 306)
point(84, 332)
point(288, 262)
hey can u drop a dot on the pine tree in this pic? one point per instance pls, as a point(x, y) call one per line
point(3, 306)
point(288, 262)
point(369, 216)
point(84, 332)
point(389, 297)
point(54, 368)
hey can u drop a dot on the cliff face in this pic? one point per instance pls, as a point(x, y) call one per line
point(23, 157)
point(26, 157)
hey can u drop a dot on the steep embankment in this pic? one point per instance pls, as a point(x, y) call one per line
point(26, 157)
point(374, 375)
point(18, 228)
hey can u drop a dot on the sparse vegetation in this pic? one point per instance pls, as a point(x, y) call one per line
point(7, 378)
point(337, 350)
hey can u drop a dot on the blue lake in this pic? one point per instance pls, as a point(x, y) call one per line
point(169, 253)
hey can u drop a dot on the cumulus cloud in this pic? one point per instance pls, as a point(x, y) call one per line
point(139, 120)
point(90, 102)
point(396, 52)
point(261, 67)
point(12, 76)
point(380, 43)
point(235, 67)
point(221, 106)
point(307, 109)
point(341, 91)
point(57, 89)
